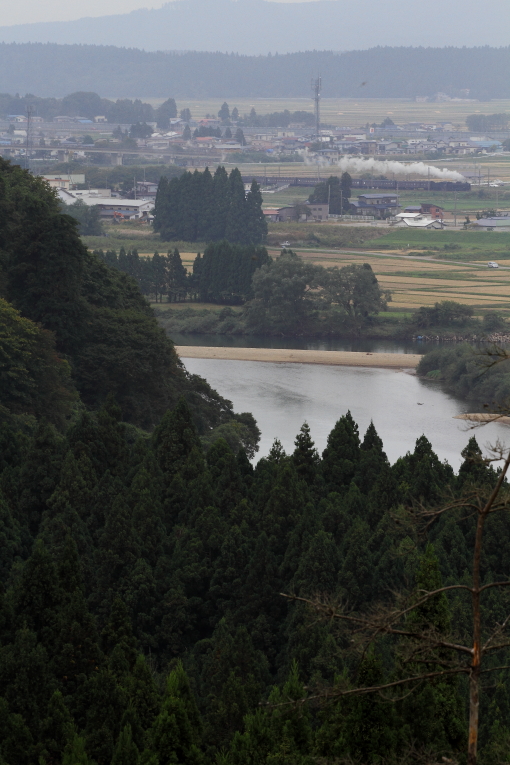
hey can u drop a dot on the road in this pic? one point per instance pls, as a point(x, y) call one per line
point(378, 254)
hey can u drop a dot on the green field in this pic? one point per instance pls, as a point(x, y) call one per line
point(467, 201)
point(286, 197)
point(348, 111)
point(133, 237)
point(452, 245)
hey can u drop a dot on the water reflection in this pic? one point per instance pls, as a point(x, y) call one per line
point(262, 341)
point(402, 406)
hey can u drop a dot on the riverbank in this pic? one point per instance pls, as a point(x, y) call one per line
point(294, 356)
point(484, 417)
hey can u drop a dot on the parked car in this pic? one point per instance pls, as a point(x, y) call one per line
point(492, 264)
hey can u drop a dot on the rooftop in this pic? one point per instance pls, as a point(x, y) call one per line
point(378, 196)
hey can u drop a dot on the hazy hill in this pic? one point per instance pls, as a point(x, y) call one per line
point(258, 26)
point(56, 70)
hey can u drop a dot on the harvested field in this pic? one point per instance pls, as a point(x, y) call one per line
point(414, 283)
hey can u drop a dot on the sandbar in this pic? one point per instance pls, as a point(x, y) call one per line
point(292, 356)
point(483, 417)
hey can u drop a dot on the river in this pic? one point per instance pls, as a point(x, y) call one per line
point(401, 405)
point(263, 341)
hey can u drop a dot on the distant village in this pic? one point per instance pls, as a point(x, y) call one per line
point(213, 140)
point(193, 142)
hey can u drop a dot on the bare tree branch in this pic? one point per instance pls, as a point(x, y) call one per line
point(380, 628)
point(494, 584)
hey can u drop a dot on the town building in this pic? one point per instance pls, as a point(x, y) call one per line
point(379, 206)
point(368, 147)
point(146, 190)
point(68, 181)
point(318, 211)
point(272, 215)
point(416, 220)
point(434, 211)
point(109, 207)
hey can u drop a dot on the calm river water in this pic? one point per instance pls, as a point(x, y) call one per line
point(307, 344)
point(402, 406)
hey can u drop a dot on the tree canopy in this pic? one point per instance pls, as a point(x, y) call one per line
point(336, 191)
point(291, 295)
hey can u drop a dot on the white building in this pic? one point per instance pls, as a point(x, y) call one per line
point(109, 207)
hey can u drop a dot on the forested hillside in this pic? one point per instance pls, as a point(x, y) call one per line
point(142, 622)
point(154, 587)
point(380, 72)
point(259, 26)
point(81, 321)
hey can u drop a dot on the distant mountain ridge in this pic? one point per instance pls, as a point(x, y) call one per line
point(52, 70)
point(256, 26)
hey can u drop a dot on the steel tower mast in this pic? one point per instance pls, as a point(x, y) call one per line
point(316, 90)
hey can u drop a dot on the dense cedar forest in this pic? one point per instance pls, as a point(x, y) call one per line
point(205, 207)
point(50, 69)
point(222, 275)
point(144, 556)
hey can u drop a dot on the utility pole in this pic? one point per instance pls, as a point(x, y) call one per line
point(455, 211)
point(27, 143)
point(316, 90)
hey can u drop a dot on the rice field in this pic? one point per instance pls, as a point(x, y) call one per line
point(415, 283)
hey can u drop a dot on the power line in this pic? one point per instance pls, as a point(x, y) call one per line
point(29, 117)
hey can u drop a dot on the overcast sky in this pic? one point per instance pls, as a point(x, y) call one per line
point(27, 11)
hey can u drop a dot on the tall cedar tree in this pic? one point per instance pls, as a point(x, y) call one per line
point(201, 207)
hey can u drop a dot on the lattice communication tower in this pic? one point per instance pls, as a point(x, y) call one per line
point(316, 90)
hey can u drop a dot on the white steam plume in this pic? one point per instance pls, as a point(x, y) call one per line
point(384, 166)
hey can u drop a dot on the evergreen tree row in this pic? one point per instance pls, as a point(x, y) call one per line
point(222, 275)
point(204, 207)
point(158, 276)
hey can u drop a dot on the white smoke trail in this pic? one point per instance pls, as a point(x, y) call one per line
point(383, 166)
